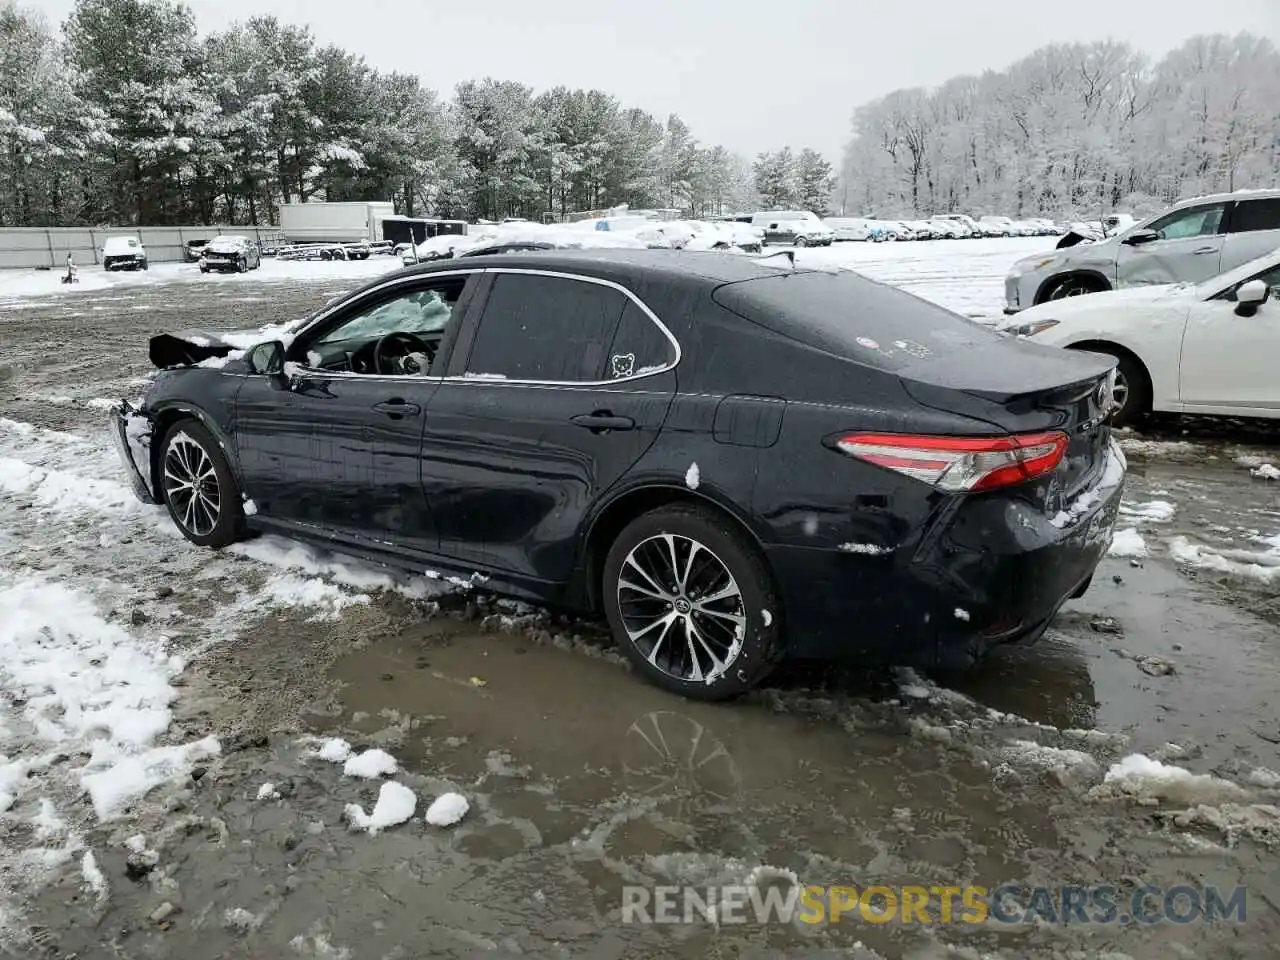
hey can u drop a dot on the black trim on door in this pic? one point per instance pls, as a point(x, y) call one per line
point(465, 335)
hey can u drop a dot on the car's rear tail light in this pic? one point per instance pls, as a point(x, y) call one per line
point(960, 463)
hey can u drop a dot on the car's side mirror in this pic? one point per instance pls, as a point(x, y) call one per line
point(1250, 296)
point(1139, 237)
point(267, 359)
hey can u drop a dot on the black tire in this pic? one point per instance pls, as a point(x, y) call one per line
point(204, 268)
point(801, 242)
point(727, 558)
point(242, 265)
point(1131, 378)
point(1073, 285)
point(229, 524)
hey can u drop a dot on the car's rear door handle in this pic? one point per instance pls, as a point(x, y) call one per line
point(395, 408)
point(602, 420)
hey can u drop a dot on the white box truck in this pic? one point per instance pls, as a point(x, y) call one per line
point(323, 222)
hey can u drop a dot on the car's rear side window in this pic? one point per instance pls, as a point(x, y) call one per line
point(639, 347)
point(1251, 215)
point(544, 328)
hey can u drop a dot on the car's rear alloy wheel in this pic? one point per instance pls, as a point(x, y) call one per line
point(199, 489)
point(692, 604)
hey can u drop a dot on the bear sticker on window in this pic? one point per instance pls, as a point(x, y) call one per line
point(624, 364)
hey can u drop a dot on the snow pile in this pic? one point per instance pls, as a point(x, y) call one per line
point(1256, 822)
point(1265, 471)
point(1159, 448)
point(371, 765)
point(333, 750)
point(268, 791)
point(83, 682)
point(1127, 543)
point(447, 809)
point(328, 582)
point(65, 492)
point(93, 878)
point(1066, 765)
point(1155, 511)
point(1264, 566)
point(692, 477)
point(395, 806)
point(1141, 778)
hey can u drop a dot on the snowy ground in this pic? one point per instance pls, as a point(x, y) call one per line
point(171, 782)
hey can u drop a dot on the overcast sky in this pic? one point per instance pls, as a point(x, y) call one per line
point(753, 74)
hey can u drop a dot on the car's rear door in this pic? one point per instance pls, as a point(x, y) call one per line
point(1253, 230)
point(551, 397)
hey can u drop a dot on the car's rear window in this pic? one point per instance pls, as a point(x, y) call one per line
point(850, 315)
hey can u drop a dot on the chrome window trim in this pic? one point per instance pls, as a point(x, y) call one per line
point(307, 373)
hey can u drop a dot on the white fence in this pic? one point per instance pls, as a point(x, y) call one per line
point(48, 247)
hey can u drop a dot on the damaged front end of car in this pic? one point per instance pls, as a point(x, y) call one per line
point(133, 431)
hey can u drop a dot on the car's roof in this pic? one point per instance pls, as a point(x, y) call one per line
point(604, 262)
point(1269, 194)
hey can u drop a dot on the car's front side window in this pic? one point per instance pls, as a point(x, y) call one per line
point(1193, 222)
point(420, 312)
point(543, 328)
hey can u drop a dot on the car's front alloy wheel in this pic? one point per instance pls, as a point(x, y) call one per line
point(691, 603)
point(199, 490)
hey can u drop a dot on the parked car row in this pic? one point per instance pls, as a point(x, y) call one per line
point(632, 232)
point(952, 226)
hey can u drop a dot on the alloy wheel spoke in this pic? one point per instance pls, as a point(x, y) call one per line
point(717, 665)
point(673, 560)
point(637, 588)
point(694, 547)
point(637, 634)
point(645, 573)
point(669, 619)
point(728, 590)
point(694, 664)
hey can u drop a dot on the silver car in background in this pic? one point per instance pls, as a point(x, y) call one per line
point(1194, 240)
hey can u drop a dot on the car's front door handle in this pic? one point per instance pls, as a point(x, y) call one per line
point(1205, 250)
point(602, 420)
point(395, 408)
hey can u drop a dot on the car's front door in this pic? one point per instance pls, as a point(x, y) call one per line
point(337, 450)
point(551, 398)
point(1253, 230)
point(1187, 248)
point(1229, 360)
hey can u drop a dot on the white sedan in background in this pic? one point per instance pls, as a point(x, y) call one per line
point(1211, 347)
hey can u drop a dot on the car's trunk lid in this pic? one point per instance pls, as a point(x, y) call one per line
point(1024, 388)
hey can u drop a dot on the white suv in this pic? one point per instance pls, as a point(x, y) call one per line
point(1195, 240)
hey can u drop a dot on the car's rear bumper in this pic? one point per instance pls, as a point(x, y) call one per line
point(995, 571)
point(132, 432)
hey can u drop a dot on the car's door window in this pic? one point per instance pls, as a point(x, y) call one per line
point(545, 328)
point(1194, 222)
point(419, 312)
point(1252, 215)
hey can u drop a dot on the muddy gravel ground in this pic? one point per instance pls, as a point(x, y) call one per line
point(583, 780)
